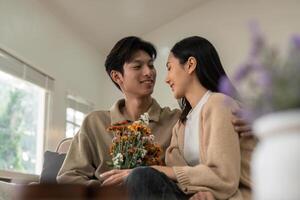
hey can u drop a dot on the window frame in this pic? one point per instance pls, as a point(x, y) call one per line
point(79, 104)
point(26, 72)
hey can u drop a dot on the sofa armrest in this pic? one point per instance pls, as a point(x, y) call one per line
point(7, 190)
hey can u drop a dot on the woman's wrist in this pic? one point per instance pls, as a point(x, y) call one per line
point(168, 171)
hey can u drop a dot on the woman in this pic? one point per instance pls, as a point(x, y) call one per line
point(205, 153)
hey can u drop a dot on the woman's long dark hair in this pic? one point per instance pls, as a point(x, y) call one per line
point(209, 69)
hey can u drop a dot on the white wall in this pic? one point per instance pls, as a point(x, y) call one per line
point(225, 24)
point(29, 31)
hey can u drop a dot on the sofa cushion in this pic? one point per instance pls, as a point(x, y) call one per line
point(52, 163)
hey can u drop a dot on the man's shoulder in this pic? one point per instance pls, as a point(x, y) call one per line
point(98, 114)
point(97, 118)
point(170, 111)
point(167, 112)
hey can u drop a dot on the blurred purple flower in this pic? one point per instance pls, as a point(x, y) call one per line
point(257, 65)
point(265, 79)
point(247, 114)
point(296, 41)
point(226, 87)
point(242, 72)
point(257, 39)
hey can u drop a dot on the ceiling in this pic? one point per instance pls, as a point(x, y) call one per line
point(103, 22)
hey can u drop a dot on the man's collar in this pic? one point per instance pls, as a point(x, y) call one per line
point(154, 111)
point(117, 116)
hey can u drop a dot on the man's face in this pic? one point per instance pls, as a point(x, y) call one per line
point(139, 75)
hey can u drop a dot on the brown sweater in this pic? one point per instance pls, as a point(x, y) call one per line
point(89, 151)
point(224, 158)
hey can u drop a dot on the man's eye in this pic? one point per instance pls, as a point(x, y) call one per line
point(151, 66)
point(137, 67)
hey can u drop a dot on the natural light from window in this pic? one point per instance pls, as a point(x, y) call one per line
point(22, 120)
point(74, 121)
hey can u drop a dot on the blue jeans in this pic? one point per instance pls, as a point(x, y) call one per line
point(148, 183)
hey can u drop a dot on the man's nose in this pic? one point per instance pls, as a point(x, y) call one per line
point(147, 70)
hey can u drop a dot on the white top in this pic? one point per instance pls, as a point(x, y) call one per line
point(192, 131)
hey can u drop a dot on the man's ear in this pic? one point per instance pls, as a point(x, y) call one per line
point(116, 76)
point(191, 64)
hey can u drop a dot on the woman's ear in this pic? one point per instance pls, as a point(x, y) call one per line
point(116, 76)
point(191, 64)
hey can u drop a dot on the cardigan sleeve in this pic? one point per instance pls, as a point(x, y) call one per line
point(173, 154)
point(78, 166)
point(219, 169)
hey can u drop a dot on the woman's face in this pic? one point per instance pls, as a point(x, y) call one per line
point(177, 76)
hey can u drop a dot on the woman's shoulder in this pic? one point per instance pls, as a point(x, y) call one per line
point(221, 101)
point(218, 97)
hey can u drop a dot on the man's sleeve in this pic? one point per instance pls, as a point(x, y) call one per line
point(78, 166)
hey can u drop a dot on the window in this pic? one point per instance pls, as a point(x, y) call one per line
point(74, 121)
point(77, 108)
point(24, 98)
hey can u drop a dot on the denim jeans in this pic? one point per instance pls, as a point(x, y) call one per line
point(150, 184)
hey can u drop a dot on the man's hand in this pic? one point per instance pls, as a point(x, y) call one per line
point(241, 126)
point(114, 177)
point(203, 196)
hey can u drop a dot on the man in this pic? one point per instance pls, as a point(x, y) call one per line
point(130, 66)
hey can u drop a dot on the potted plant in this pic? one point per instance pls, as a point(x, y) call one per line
point(268, 86)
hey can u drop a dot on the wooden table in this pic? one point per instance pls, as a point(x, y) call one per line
point(68, 191)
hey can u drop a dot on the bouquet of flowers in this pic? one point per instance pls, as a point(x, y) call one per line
point(133, 144)
point(267, 82)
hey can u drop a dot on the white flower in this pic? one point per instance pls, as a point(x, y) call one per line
point(151, 137)
point(118, 160)
point(144, 138)
point(144, 152)
point(114, 139)
point(145, 118)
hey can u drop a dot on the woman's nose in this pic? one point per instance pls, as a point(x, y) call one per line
point(167, 80)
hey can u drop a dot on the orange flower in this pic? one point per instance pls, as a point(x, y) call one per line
point(124, 138)
point(133, 145)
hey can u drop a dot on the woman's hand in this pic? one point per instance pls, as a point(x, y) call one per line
point(114, 177)
point(203, 196)
point(168, 171)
